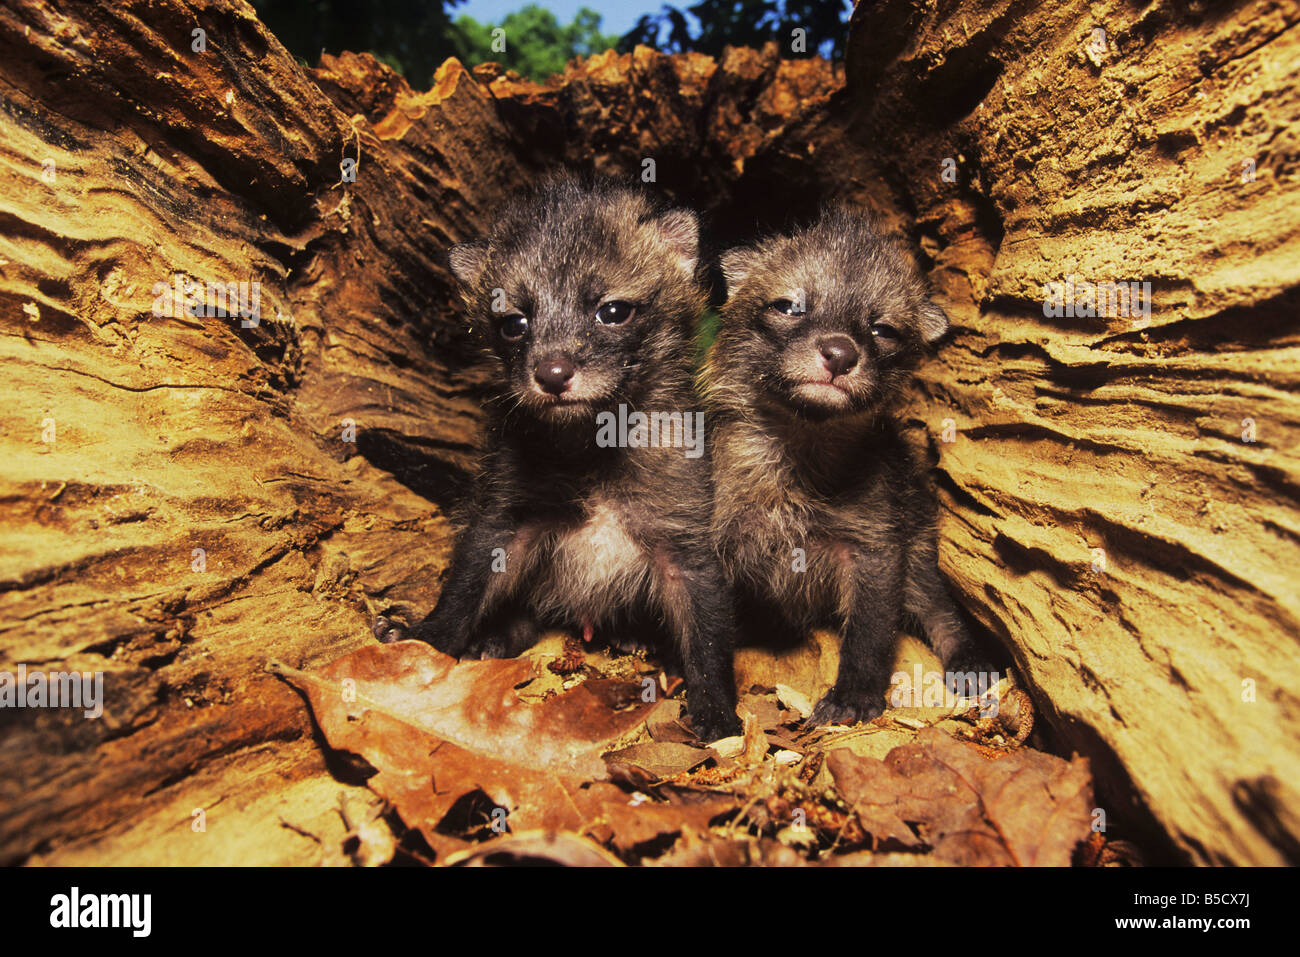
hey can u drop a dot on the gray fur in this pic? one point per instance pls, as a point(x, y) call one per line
point(808, 463)
point(611, 540)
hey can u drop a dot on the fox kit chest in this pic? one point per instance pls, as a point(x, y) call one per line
point(594, 567)
point(755, 500)
point(601, 543)
point(776, 537)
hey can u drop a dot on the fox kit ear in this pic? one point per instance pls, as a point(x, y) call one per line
point(736, 265)
point(467, 261)
point(932, 321)
point(680, 230)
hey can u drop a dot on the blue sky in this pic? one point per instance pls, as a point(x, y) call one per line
point(615, 17)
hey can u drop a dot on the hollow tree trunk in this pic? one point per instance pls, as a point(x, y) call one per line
point(310, 456)
point(186, 497)
point(1120, 492)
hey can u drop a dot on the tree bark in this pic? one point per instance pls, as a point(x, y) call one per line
point(312, 456)
point(1120, 493)
point(188, 497)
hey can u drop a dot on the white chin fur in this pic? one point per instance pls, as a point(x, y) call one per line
point(822, 394)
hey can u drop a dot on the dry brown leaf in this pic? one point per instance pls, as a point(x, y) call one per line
point(796, 701)
point(436, 730)
point(443, 735)
point(765, 707)
point(627, 823)
point(474, 705)
point(536, 847)
point(1028, 808)
point(666, 724)
point(661, 758)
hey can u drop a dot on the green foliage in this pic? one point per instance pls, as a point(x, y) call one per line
point(722, 23)
point(537, 45)
point(706, 330)
point(415, 36)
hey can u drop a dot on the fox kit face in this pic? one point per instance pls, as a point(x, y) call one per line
point(582, 294)
point(826, 322)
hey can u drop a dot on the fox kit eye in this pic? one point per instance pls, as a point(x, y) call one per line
point(614, 312)
point(886, 333)
point(786, 307)
point(513, 327)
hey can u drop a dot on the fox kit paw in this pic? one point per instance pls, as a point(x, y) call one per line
point(393, 625)
point(629, 643)
point(714, 727)
point(387, 630)
point(963, 676)
point(507, 640)
point(838, 709)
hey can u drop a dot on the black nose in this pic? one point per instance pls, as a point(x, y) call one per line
point(554, 375)
point(839, 354)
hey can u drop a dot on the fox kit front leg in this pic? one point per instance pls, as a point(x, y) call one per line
point(874, 606)
point(473, 617)
point(697, 604)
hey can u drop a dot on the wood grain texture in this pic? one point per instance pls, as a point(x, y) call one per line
point(129, 157)
point(1119, 161)
point(1115, 433)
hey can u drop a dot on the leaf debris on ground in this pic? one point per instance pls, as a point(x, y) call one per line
point(571, 756)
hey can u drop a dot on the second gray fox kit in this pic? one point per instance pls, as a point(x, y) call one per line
point(821, 516)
